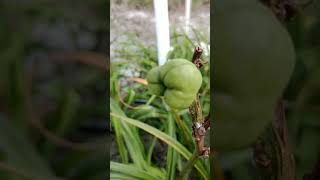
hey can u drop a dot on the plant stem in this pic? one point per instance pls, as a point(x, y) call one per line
point(181, 126)
point(272, 151)
point(200, 124)
point(197, 54)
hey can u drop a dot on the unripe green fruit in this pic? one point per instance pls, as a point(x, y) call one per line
point(178, 80)
point(253, 60)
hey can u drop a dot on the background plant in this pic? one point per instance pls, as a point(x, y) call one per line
point(52, 78)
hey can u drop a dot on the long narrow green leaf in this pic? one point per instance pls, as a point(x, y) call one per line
point(120, 176)
point(118, 132)
point(67, 121)
point(135, 172)
point(144, 112)
point(167, 139)
point(151, 148)
point(130, 136)
point(121, 147)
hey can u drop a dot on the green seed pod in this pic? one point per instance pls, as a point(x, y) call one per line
point(253, 59)
point(178, 80)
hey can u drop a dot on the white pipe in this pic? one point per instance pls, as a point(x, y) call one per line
point(162, 28)
point(187, 15)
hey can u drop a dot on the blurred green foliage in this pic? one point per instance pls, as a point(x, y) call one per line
point(303, 92)
point(301, 101)
point(52, 117)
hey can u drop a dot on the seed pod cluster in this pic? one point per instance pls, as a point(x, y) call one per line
point(178, 80)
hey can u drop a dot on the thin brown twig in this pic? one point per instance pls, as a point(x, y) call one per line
point(286, 155)
point(198, 129)
point(199, 125)
point(197, 54)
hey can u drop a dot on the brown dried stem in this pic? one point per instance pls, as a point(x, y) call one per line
point(273, 154)
point(200, 124)
point(197, 53)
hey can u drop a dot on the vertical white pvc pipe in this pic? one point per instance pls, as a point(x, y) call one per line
point(162, 29)
point(187, 15)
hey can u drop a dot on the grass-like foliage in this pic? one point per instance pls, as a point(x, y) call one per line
point(136, 114)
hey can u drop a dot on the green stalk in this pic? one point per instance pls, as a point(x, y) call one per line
point(181, 126)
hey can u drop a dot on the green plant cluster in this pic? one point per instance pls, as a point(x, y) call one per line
point(135, 112)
